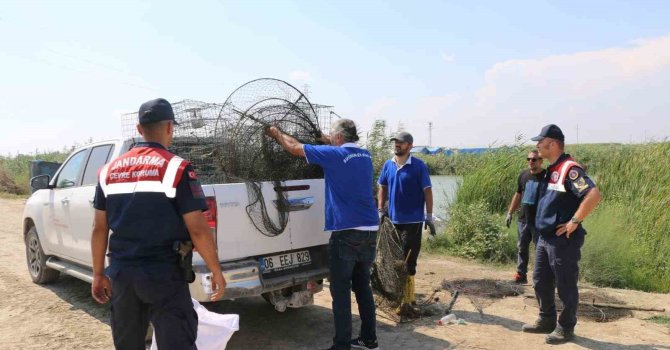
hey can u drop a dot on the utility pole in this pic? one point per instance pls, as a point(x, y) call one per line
point(430, 134)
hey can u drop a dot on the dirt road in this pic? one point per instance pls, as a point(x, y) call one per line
point(63, 315)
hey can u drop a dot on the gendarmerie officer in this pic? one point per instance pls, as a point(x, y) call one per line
point(152, 202)
point(567, 197)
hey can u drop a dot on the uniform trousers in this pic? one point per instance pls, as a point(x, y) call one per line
point(556, 267)
point(140, 295)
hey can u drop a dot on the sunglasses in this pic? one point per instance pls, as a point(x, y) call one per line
point(533, 159)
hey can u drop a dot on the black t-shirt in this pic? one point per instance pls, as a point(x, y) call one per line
point(527, 186)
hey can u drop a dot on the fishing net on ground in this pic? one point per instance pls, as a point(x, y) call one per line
point(226, 143)
point(482, 292)
point(389, 276)
point(389, 271)
point(594, 305)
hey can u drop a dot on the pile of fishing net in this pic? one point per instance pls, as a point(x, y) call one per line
point(389, 279)
point(389, 271)
point(594, 304)
point(483, 292)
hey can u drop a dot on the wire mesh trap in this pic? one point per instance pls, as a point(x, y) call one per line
point(389, 277)
point(226, 143)
point(483, 292)
point(389, 271)
point(591, 306)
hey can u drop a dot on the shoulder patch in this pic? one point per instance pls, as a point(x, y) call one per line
point(581, 185)
point(192, 175)
point(554, 176)
point(573, 174)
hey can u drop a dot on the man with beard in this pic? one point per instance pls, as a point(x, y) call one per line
point(567, 197)
point(406, 182)
point(525, 198)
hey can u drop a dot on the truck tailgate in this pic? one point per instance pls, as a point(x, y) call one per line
point(237, 237)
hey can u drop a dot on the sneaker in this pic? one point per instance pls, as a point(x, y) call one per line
point(559, 336)
point(541, 325)
point(359, 343)
point(520, 278)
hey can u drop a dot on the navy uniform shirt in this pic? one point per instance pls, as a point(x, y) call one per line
point(561, 192)
point(144, 221)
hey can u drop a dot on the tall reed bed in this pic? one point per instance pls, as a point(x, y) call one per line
point(635, 182)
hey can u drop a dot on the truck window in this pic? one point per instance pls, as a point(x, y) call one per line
point(69, 176)
point(99, 156)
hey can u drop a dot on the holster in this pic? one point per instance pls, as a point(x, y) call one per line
point(184, 250)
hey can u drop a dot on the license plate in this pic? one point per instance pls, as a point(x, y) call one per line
point(285, 261)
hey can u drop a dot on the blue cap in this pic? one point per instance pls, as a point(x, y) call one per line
point(551, 131)
point(156, 111)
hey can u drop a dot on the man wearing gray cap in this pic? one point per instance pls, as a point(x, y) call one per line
point(406, 182)
point(350, 215)
point(566, 197)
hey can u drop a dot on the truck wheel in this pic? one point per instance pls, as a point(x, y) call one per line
point(39, 272)
point(267, 298)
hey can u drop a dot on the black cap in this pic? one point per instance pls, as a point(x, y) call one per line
point(403, 136)
point(551, 131)
point(155, 111)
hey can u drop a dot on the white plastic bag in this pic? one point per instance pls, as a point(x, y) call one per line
point(214, 330)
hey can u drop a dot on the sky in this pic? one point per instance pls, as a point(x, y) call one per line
point(483, 72)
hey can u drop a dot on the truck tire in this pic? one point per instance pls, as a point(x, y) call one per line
point(268, 298)
point(36, 260)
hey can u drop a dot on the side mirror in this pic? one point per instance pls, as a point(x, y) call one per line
point(40, 182)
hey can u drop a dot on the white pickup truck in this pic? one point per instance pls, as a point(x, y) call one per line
point(286, 269)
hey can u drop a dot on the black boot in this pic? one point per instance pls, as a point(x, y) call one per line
point(541, 325)
point(559, 336)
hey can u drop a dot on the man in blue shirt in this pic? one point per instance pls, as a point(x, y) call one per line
point(407, 183)
point(350, 215)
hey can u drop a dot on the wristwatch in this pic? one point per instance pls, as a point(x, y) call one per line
point(574, 220)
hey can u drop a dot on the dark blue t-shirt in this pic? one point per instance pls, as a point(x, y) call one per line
point(348, 178)
point(405, 186)
point(528, 188)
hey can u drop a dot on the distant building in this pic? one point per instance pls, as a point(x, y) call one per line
point(473, 150)
point(435, 150)
point(419, 150)
point(449, 151)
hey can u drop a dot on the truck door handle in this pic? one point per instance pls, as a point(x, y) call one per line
point(295, 204)
point(65, 201)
